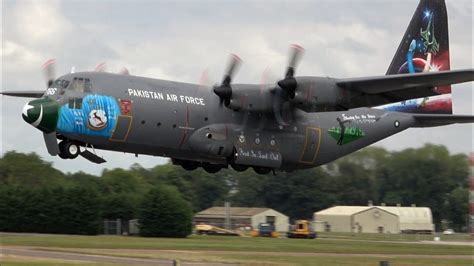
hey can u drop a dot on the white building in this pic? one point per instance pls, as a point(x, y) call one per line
point(243, 217)
point(374, 219)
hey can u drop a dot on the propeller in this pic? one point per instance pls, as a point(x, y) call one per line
point(224, 91)
point(289, 84)
point(49, 72)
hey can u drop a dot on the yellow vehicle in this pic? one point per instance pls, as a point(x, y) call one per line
point(207, 229)
point(265, 230)
point(301, 229)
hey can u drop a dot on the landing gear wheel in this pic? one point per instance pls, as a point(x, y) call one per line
point(212, 169)
point(189, 167)
point(239, 167)
point(68, 150)
point(262, 170)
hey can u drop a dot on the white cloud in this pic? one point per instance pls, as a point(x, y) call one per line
point(38, 22)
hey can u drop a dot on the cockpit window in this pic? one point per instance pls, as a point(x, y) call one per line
point(81, 85)
point(61, 83)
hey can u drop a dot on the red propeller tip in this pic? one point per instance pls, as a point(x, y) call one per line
point(236, 57)
point(100, 67)
point(49, 62)
point(298, 47)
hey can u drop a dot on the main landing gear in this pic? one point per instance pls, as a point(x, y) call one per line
point(214, 168)
point(262, 170)
point(68, 149)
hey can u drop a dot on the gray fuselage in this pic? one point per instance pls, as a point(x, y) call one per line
point(186, 122)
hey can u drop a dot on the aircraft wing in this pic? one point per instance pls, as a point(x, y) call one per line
point(434, 120)
point(26, 94)
point(378, 90)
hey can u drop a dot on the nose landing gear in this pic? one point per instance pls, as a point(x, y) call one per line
point(68, 149)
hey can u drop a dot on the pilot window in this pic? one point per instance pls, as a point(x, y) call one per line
point(61, 83)
point(81, 85)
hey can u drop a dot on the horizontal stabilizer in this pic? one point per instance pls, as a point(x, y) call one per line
point(434, 120)
point(25, 94)
point(382, 84)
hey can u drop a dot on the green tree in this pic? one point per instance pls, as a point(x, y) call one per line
point(458, 208)
point(299, 194)
point(164, 213)
point(423, 176)
point(28, 169)
point(248, 189)
point(207, 192)
point(77, 210)
point(354, 186)
point(120, 206)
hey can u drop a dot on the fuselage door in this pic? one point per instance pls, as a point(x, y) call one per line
point(311, 145)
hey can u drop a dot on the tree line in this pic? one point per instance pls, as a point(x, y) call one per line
point(36, 197)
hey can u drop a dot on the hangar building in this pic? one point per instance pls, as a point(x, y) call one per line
point(374, 219)
point(242, 217)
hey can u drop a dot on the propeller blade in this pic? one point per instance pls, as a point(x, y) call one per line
point(289, 84)
point(224, 91)
point(296, 52)
point(51, 143)
point(234, 64)
point(101, 67)
point(49, 71)
point(25, 94)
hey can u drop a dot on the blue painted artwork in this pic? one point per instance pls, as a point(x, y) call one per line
point(93, 115)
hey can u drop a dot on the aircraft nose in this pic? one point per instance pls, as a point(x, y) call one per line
point(42, 114)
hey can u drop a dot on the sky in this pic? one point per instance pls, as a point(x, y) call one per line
point(180, 40)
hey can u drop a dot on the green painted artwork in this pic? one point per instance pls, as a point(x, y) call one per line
point(350, 134)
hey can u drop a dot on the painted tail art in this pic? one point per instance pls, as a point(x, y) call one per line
point(424, 48)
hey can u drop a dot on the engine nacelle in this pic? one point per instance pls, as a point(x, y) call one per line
point(316, 94)
point(312, 94)
point(252, 98)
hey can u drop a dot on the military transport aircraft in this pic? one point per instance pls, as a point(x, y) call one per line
point(296, 123)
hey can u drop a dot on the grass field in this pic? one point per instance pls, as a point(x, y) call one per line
point(330, 249)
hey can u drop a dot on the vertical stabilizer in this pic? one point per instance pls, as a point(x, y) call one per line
point(424, 48)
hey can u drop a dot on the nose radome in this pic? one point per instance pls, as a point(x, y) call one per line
point(42, 114)
point(31, 114)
